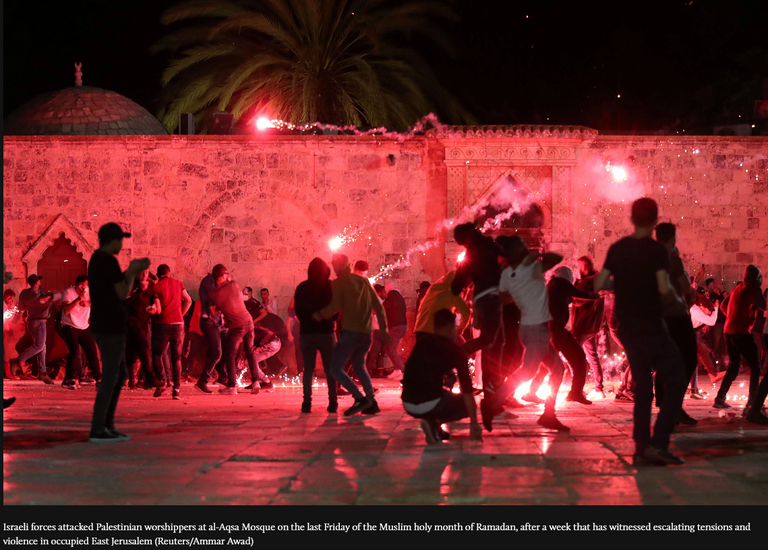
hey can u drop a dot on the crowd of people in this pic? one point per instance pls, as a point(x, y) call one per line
point(520, 314)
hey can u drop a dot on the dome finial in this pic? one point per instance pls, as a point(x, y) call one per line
point(78, 74)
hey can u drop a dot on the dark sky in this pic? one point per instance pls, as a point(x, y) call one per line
point(675, 63)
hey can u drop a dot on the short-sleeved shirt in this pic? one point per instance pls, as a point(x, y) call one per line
point(169, 291)
point(229, 300)
point(29, 301)
point(109, 314)
point(254, 307)
point(634, 264)
point(526, 285)
point(432, 358)
point(80, 315)
point(137, 303)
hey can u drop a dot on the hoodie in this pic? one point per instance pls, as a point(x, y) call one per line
point(313, 295)
point(440, 296)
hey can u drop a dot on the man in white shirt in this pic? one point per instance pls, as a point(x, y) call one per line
point(75, 323)
point(269, 303)
point(523, 282)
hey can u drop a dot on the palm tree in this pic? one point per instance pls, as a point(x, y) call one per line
point(302, 61)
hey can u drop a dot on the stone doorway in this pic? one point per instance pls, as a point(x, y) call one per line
point(59, 266)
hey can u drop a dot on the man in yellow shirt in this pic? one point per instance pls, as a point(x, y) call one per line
point(439, 296)
point(354, 296)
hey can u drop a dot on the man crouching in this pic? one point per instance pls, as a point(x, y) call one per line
point(424, 395)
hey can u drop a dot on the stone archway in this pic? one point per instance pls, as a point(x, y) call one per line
point(60, 226)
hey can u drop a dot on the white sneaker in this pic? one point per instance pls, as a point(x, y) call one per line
point(596, 395)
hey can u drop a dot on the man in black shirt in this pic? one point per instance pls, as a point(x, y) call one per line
point(639, 267)
point(424, 396)
point(481, 268)
point(109, 325)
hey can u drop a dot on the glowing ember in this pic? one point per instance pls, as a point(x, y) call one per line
point(8, 314)
point(335, 243)
point(263, 123)
point(619, 173)
point(461, 257)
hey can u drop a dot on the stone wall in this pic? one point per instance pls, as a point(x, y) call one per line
point(266, 205)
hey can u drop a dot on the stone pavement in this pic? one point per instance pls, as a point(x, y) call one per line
point(259, 449)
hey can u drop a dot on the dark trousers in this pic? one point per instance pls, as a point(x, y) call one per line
point(310, 344)
point(113, 376)
point(649, 352)
point(235, 337)
point(137, 346)
point(566, 344)
point(682, 333)
point(487, 312)
point(77, 339)
point(450, 408)
point(741, 345)
point(194, 344)
point(214, 333)
point(589, 342)
point(163, 336)
point(762, 390)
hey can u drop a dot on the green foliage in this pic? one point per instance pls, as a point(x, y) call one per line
point(302, 61)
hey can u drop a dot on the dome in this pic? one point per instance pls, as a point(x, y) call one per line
point(81, 110)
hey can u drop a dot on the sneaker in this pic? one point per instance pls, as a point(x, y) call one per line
point(359, 406)
point(552, 423)
point(104, 437)
point(373, 409)
point(596, 395)
point(659, 456)
point(430, 431)
point(720, 404)
point(158, 391)
point(486, 412)
point(267, 386)
point(698, 394)
point(621, 396)
point(532, 398)
point(70, 385)
point(176, 394)
point(87, 381)
point(255, 388)
point(228, 391)
point(202, 387)
point(45, 379)
point(120, 435)
point(578, 398)
point(306, 407)
point(684, 418)
point(333, 407)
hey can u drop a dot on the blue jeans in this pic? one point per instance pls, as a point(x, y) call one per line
point(310, 344)
point(654, 351)
point(354, 345)
point(165, 335)
point(236, 336)
point(538, 349)
point(114, 373)
point(38, 329)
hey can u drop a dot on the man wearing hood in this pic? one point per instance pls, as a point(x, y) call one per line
point(440, 296)
point(742, 304)
point(316, 336)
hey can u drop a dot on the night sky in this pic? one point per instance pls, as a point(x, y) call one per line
point(678, 66)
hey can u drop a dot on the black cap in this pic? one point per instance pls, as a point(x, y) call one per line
point(32, 279)
point(111, 231)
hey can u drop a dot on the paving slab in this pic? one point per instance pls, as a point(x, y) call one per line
point(261, 450)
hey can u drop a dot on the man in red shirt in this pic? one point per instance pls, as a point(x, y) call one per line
point(171, 301)
point(742, 304)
